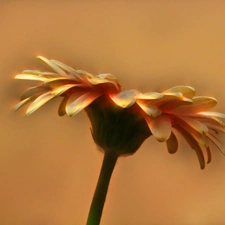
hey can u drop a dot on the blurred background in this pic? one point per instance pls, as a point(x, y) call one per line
point(49, 165)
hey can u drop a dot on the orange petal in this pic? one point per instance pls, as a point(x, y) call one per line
point(186, 91)
point(125, 99)
point(52, 65)
point(172, 144)
point(160, 127)
point(80, 103)
point(38, 102)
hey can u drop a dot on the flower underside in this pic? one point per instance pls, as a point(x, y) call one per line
point(122, 120)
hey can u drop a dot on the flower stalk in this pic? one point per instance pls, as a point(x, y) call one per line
point(98, 201)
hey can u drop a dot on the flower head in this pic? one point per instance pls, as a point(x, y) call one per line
point(122, 120)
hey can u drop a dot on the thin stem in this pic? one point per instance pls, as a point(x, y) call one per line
point(99, 197)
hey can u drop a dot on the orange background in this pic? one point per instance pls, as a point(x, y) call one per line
point(49, 165)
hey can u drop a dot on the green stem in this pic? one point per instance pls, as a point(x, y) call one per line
point(99, 197)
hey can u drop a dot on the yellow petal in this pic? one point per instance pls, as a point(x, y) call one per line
point(125, 99)
point(30, 77)
point(193, 143)
point(33, 91)
point(63, 66)
point(160, 127)
point(39, 73)
point(52, 65)
point(33, 72)
point(200, 127)
point(215, 114)
point(56, 82)
point(216, 142)
point(151, 110)
point(193, 128)
point(21, 103)
point(208, 155)
point(72, 108)
point(96, 80)
point(60, 90)
point(200, 104)
point(207, 119)
point(149, 96)
point(172, 144)
point(186, 91)
point(84, 73)
point(62, 107)
point(38, 102)
point(169, 101)
point(168, 106)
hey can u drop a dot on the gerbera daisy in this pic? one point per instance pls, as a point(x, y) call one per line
point(122, 120)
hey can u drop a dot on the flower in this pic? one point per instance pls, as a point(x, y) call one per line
point(115, 129)
point(122, 120)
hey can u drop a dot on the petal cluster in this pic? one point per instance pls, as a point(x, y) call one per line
point(179, 109)
point(77, 87)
